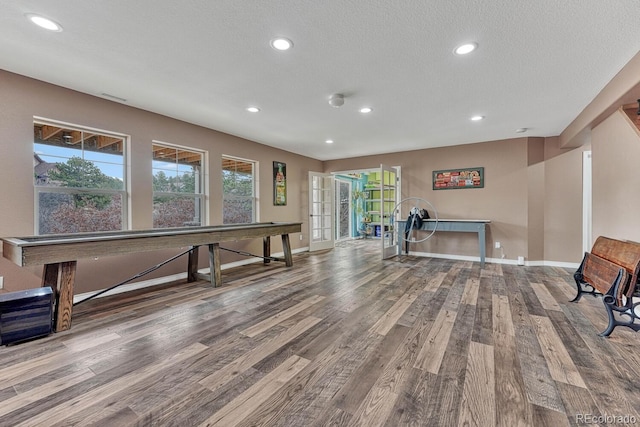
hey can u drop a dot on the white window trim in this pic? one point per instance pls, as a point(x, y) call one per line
point(204, 178)
point(126, 173)
point(256, 185)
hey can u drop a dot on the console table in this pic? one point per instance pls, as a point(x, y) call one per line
point(458, 225)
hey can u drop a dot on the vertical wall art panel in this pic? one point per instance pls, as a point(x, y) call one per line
point(279, 184)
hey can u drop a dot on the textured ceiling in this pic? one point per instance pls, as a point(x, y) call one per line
point(539, 63)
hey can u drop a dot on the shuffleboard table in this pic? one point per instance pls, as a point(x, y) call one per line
point(60, 253)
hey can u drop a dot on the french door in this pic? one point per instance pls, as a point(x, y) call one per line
point(321, 214)
point(388, 201)
point(343, 209)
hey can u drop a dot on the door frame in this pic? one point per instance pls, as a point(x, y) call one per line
point(587, 204)
point(378, 168)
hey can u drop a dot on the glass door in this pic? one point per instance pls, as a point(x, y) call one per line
point(343, 209)
point(388, 201)
point(321, 235)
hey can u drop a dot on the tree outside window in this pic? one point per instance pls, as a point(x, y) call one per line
point(238, 187)
point(79, 179)
point(178, 195)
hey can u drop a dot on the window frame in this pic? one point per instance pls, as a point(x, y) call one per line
point(203, 196)
point(255, 214)
point(123, 193)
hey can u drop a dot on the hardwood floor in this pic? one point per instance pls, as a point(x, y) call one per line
point(340, 339)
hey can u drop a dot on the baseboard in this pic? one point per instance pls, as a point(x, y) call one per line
point(497, 260)
point(172, 278)
point(555, 264)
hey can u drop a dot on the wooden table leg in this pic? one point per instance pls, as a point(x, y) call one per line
point(214, 265)
point(64, 298)
point(266, 249)
point(286, 248)
point(192, 267)
point(50, 277)
point(481, 242)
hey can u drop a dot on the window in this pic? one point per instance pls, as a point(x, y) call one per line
point(238, 188)
point(178, 186)
point(79, 179)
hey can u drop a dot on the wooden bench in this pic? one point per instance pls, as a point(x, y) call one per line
point(611, 269)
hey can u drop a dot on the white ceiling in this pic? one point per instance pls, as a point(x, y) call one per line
point(539, 63)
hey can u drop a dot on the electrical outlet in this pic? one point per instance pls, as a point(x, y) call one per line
point(498, 245)
point(1, 282)
point(520, 260)
point(301, 237)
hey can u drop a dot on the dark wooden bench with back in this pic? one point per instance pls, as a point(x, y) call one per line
point(611, 269)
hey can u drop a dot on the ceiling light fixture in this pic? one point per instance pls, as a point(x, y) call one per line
point(281, 43)
point(329, 141)
point(477, 118)
point(336, 100)
point(522, 130)
point(43, 22)
point(365, 110)
point(253, 109)
point(466, 48)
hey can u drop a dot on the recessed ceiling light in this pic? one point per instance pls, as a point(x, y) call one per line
point(366, 110)
point(329, 141)
point(45, 23)
point(477, 118)
point(253, 109)
point(281, 43)
point(466, 48)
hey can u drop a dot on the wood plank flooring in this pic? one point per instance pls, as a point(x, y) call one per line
point(340, 339)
